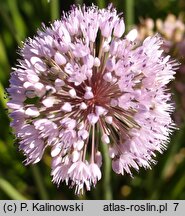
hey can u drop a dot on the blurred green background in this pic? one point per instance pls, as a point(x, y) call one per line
point(20, 19)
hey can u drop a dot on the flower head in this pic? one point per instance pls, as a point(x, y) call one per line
point(172, 29)
point(80, 82)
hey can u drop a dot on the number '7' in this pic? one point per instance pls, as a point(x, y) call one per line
point(176, 204)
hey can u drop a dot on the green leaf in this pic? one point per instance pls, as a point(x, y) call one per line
point(10, 190)
point(3, 99)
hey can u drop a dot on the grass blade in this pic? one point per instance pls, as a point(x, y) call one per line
point(10, 190)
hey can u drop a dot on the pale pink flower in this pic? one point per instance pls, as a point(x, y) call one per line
point(80, 79)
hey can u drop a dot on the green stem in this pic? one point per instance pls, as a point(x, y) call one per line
point(16, 20)
point(101, 3)
point(39, 182)
point(80, 2)
point(129, 13)
point(10, 190)
point(9, 25)
point(54, 9)
point(107, 189)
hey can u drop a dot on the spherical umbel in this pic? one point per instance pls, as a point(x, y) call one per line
point(80, 82)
